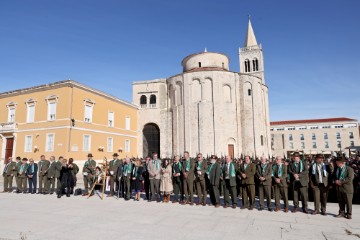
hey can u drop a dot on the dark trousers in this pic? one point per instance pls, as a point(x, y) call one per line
point(42, 183)
point(201, 190)
point(88, 180)
point(265, 192)
point(345, 200)
point(32, 184)
point(178, 190)
point(147, 188)
point(127, 188)
point(320, 197)
point(301, 191)
point(281, 192)
point(189, 189)
point(155, 189)
point(58, 185)
point(113, 180)
point(248, 195)
point(8, 182)
point(50, 185)
point(229, 190)
point(214, 195)
point(17, 180)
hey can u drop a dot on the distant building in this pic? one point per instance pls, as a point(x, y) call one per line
point(66, 119)
point(313, 136)
point(207, 108)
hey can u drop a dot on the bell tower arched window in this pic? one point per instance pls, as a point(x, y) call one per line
point(247, 65)
point(255, 64)
point(152, 101)
point(143, 101)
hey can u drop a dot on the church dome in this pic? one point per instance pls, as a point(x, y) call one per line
point(205, 61)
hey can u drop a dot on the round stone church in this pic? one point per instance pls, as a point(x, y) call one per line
point(207, 108)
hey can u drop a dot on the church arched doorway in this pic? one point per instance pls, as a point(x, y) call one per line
point(151, 139)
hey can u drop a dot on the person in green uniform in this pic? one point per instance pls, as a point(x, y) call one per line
point(22, 176)
point(89, 173)
point(188, 172)
point(113, 169)
point(200, 183)
point(279, 175)
point(229, 181)
point(247, 172)
point(8, 174)
point(43, 167)
point(263, 174)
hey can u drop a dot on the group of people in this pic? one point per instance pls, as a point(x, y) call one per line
point(48, 172)
point(184, 176)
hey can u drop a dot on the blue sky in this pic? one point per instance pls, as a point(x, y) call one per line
point(311, 48)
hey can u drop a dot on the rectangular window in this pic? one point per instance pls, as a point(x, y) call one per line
point(110, 119)
point(11, 115)
point(291, 128)
point(352, 144)
point(351, 135)
point(262, 140)
point(30, 113)
point(88, 113)
point(127, 145)
point(339, 144)
point(302, 138)
point(313, 136)
point(326, 136)
point(291, 145)
point(110, 144)
point(28, 143)
point(51, 111)
point(327, 126)
point(303, 145)
point(290, 137)
point(338, 136)
point(326, 144)
point(127, 123)
point(314, 145)
point(50, 142)
point(86, 143)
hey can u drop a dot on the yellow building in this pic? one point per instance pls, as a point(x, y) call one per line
point(66, 119)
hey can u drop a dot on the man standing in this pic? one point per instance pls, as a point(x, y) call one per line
point(213, 174)
point(188, 181)
point(22, 176)
point(201, 167)
point(127, 170)
point(43, 167)
point(263, 174)
point(320, 175)
point(8, 174)
point(299, 179)
point(344, 176)
point(120, 179)
point(31, 173)
point(177, 180)
point(229, 170)
point(247, 173)
point(89, 172)
point(113, 169)
point(58, 166)
point(146, 178)
point(154, 177)
point(16, 171)
point(279, 174)
point(51, 173)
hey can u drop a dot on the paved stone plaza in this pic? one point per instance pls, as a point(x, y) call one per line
point(46, 217)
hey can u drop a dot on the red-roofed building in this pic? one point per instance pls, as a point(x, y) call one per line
point(312, 136)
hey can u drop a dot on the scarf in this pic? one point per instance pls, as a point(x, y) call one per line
point(232, 170)
point(301, 166)
point(340, 173)
point(209, 169)
point(199, 166)
point(179, 167)
point(187, 165)
point(127, 169)
point(135, 170)
point(279, 173)
point(315, 167)
point(263, 168)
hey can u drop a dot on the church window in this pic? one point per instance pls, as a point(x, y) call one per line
point(227, 93)
point(247, 65)
point(152, 100)
point(199, 64)
point(249, 92)
point(262, 140)
point(143, 101)
point(255, 65)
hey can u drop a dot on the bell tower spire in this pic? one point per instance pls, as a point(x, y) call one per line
point(250, 39)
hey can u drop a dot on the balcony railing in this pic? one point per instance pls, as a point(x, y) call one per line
point(6, 127)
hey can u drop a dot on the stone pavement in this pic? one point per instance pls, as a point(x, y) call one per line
point(26, 216)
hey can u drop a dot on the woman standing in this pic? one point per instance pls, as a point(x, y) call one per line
point(74, 169)
point(137, 179)
point(66, 179)
point(166, 186)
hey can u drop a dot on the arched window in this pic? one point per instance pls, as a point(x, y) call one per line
point(152, 101)
point(255, 65)
point(247, 65)
point(227, 93)
point(143, 101)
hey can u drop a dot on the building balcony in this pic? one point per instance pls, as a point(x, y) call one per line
point(7, 127)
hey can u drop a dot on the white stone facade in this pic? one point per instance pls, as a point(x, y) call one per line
point(208, 108)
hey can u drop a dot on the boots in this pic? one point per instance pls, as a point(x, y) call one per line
point(166, 198)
